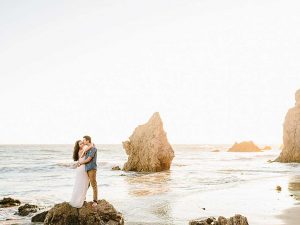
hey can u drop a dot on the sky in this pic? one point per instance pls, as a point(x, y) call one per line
point(217, 71)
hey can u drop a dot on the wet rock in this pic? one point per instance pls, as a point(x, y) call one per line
point(103, 214)
point(26, 209)
point(148, 148)
point(40, 217)
point(291, 134)
point(235, 220)
point(9, 202)
point(216, 150)
point(245, 146)
point(116, 168)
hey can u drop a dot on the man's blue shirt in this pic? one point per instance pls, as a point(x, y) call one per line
point(93, 163)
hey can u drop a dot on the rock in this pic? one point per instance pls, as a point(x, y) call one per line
point(24, 210)
point(267, 147)
point(116, 168)
point(278, 188)
point(216, 150)
point(245, 146)
point(40, 217)
point(291, 134)
point(235, 220)
point(65, 214)
point(148, 148)
point(9, 202)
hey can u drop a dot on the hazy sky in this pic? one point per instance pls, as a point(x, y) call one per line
point(217, 71)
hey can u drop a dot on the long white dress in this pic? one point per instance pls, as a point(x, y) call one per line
point(80, 186)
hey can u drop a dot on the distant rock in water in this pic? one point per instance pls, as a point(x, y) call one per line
point(9, 202)
point(148, 148)
point(116, 168)
point(26, 209)
point(245, 146)
point(103, 214)
point(216, 150)
point(235, 220)
point(291, 134)
point(267, 147)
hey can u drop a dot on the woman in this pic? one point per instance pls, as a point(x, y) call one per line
point(81, 178)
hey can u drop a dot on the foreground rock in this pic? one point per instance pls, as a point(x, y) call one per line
point(235, 220)
point(26, 209)
point(40, 217)
point(65, 214)
point(245, 146)
point(291, 134)
point(9, 202)
point(148, 148)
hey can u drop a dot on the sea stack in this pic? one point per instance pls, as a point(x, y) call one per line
point(245, 146)
point(291, 134)
point(148, 148)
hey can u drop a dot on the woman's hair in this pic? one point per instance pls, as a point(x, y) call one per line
point(76, 150)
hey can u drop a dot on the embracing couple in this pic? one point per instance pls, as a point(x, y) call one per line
point(85, 155)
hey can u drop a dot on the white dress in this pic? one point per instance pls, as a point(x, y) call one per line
point(80, 186)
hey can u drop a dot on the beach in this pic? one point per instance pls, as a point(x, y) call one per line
point(200, 183)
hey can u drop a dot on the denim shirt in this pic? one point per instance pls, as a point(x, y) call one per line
point(93, 163)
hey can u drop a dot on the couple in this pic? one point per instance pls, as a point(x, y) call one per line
point(85, 153)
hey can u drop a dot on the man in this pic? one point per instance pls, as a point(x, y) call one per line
point(90, 162)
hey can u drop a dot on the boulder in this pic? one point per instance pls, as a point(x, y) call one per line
point(148, 148)
point(40, 217)
point(26, 209)
point(235, 220)
point(9, 202)
point(291, 134)
point(103, 214)
point(245, 146)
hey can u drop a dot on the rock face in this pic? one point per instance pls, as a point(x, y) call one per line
point(24, 210)
point(148, 148)
point(245, 146)
point(291, 134)
point(9, 202)
point(235, 220)
point(65, 214)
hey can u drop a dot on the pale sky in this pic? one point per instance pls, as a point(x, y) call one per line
point(217, 71)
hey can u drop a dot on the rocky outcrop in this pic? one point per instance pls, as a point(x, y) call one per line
point(26, 209)
point(40, 217)
point(148, 148)
point(235, 220)
point(245, 146)
point(9, 202)
point(103, 214)
point(291, 134)
point(267, 147)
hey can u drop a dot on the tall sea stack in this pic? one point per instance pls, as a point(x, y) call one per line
point(291, 134)
point(148, 148)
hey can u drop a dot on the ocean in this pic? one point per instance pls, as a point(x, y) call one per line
point(200, 183)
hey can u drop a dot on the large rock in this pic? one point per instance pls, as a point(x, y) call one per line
point(235, 220)
point(103, 214)
point(9, 202)
point(148, 148)
point(291, 134)
point(245, 146)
